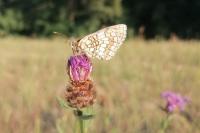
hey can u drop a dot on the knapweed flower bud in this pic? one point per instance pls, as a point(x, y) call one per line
point(79, 67)
point(174, 101)
point(80, 94)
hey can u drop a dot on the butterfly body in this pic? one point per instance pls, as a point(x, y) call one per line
point(102, 44)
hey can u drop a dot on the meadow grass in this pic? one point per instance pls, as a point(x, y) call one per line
point(33, 74)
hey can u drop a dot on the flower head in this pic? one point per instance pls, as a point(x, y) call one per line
point(174, 101)
point(79, 67)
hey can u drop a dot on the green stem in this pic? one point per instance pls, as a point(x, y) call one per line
point(82, 125)
point(79, 115)
point(83, 118)
point(165, 124)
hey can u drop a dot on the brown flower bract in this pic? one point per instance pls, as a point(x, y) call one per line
point(80, 94)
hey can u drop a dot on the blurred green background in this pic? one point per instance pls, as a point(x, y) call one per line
point(77, 17)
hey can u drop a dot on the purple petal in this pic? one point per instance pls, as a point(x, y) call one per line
point(80, 67)
point(174, 100)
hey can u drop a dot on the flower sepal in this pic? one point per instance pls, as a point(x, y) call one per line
point(83, 116)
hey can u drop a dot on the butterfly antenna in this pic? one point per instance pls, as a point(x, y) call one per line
point(62, 35)
point(59, 34)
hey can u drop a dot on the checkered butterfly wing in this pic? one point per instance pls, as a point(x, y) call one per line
point(104, 43)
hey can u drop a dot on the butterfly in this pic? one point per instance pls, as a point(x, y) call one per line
point(101, 44)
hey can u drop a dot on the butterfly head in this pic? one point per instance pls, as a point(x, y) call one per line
point(74, 45)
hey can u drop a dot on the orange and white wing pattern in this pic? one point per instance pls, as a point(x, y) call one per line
point(104, 43)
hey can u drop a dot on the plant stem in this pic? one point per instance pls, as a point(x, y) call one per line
point(165, 124)
point(83, 118)
point(82, 125)
point(79, 115)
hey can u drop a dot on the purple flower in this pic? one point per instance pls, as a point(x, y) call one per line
point(174, 101)
point(79, 67)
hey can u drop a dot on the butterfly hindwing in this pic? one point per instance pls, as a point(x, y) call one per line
point(104, 43)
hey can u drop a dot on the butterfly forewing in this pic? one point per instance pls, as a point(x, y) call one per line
point(104, 43)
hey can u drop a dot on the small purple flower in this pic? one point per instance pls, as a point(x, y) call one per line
point(79, 67)
point(174, 101)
